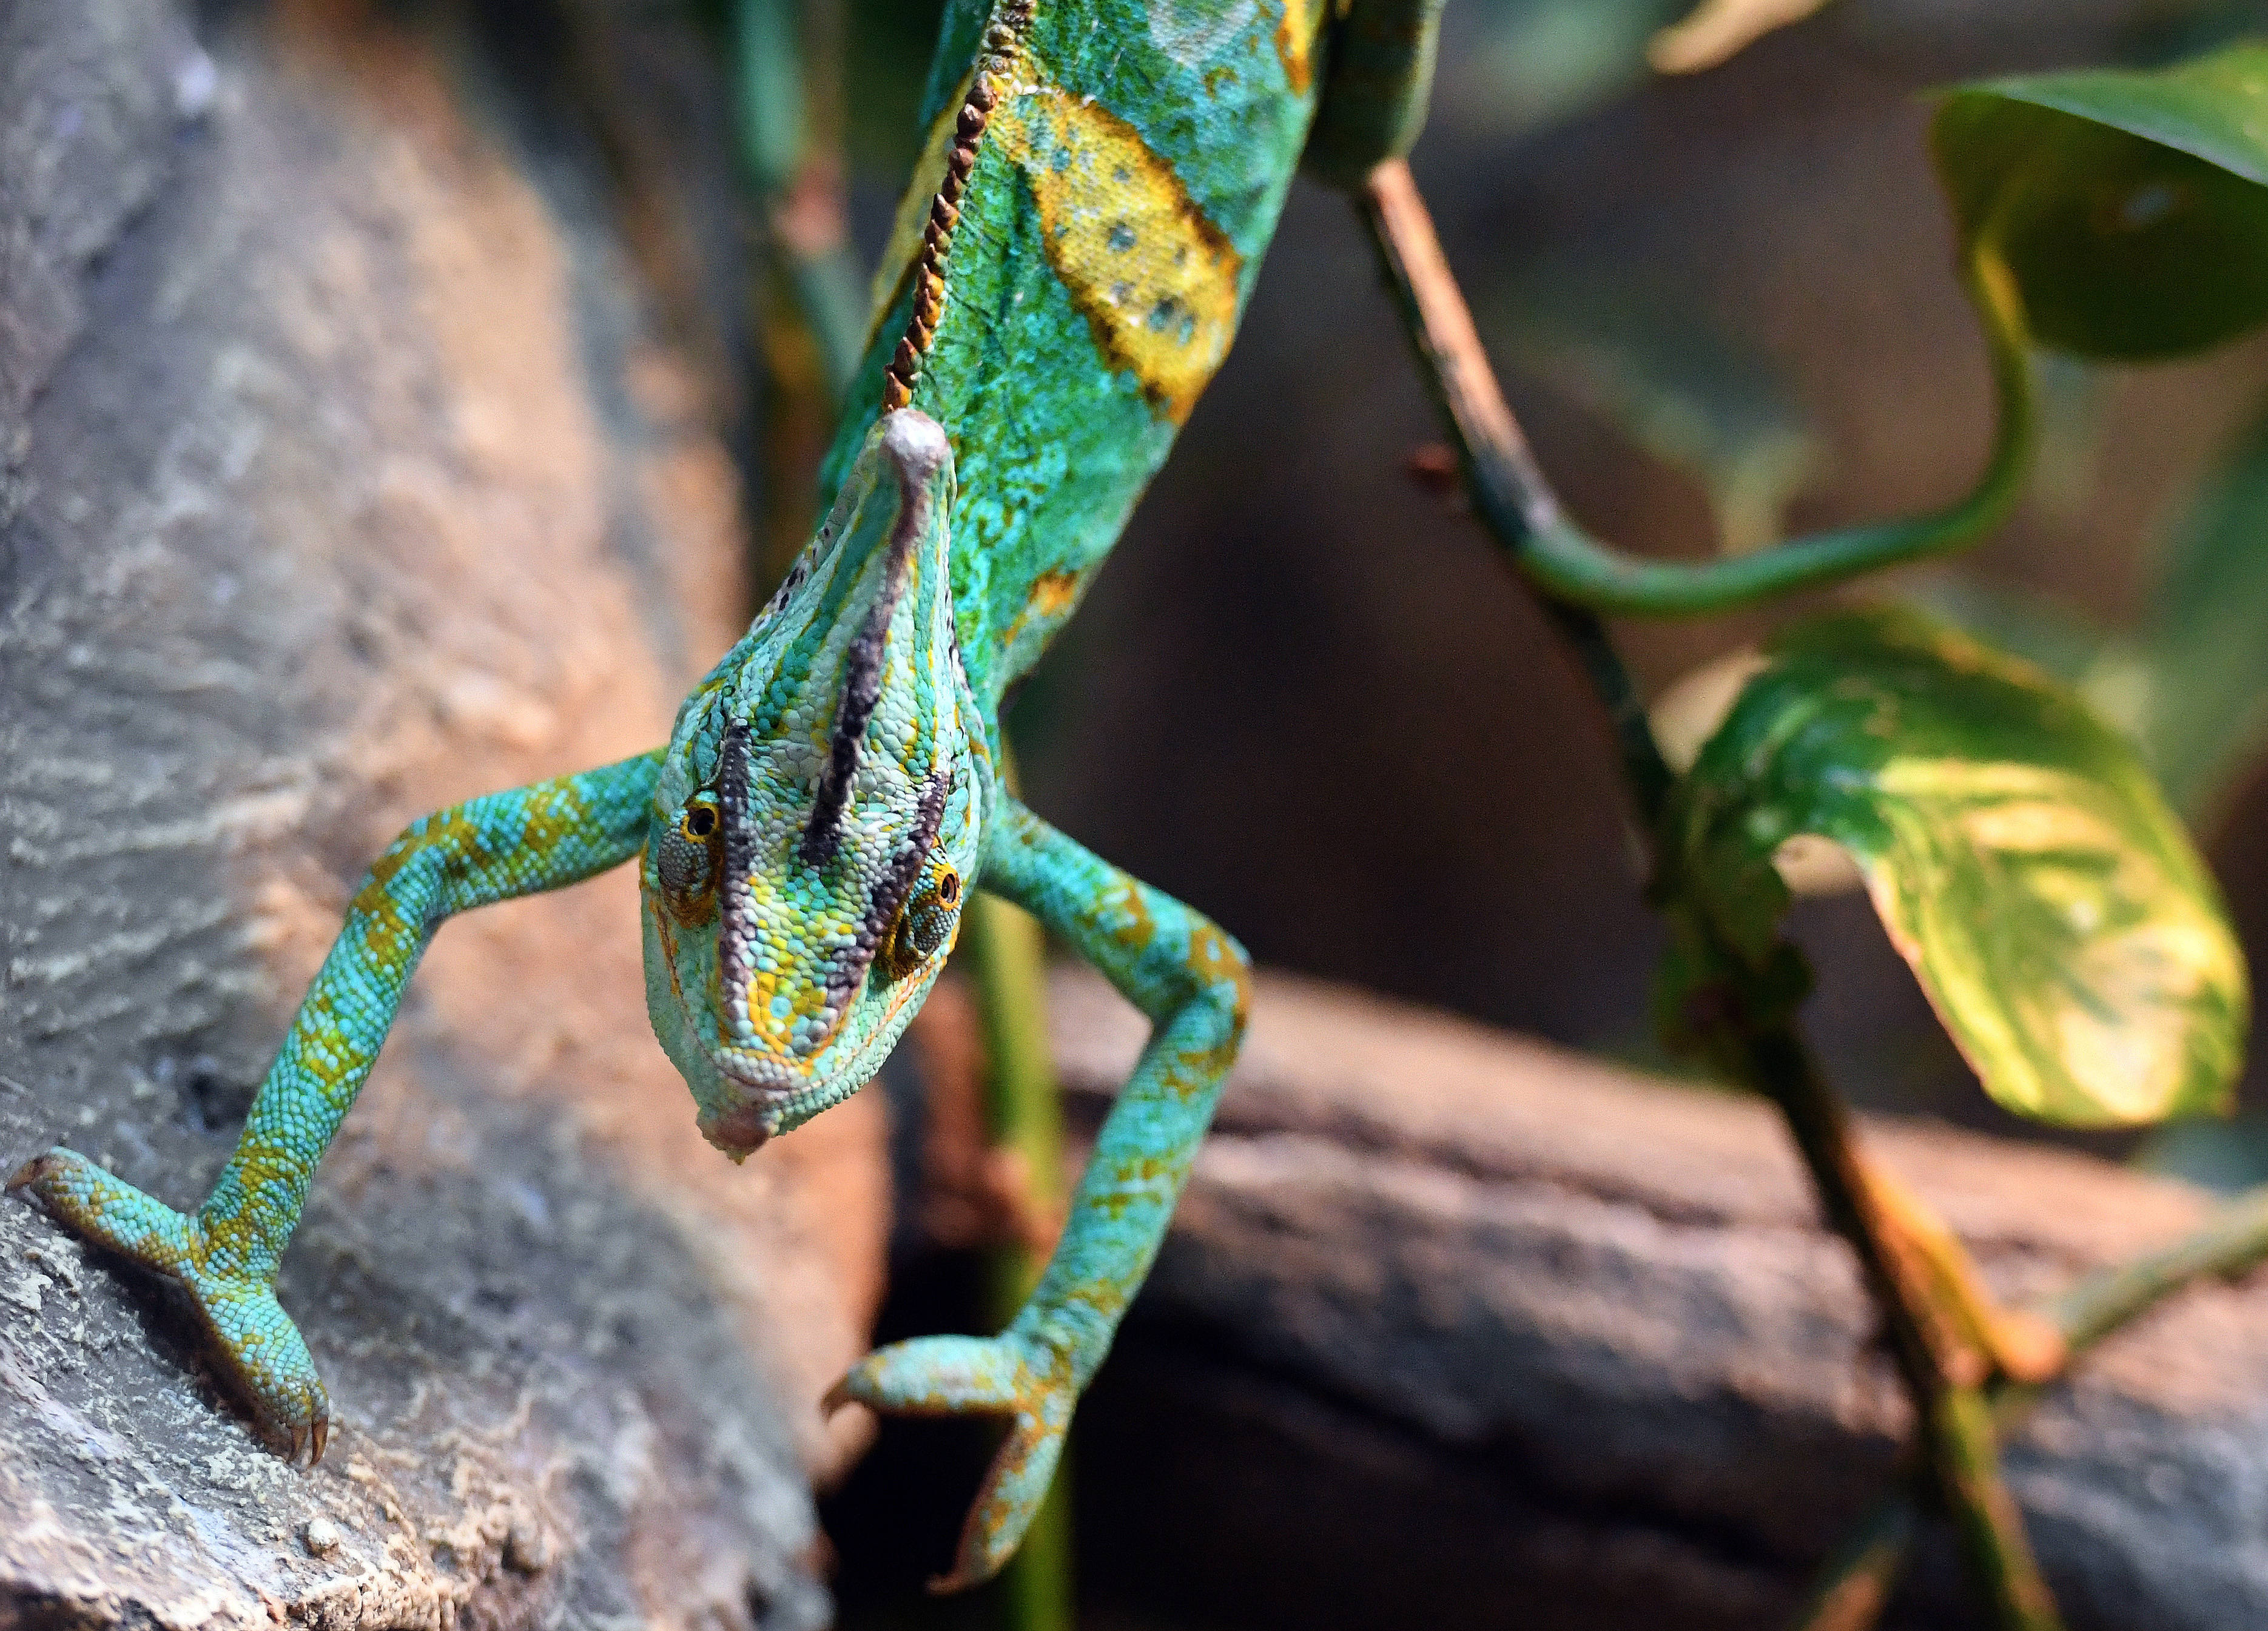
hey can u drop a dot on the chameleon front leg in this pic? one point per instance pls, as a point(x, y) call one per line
point(485, 849)
point(1194, 982)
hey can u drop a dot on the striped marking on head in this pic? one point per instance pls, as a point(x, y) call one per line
point(917, 448)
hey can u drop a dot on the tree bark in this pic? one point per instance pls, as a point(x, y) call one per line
point(349, 471)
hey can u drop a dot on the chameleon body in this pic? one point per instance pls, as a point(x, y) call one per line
point(1087, 219)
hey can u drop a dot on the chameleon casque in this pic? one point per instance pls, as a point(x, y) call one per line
point(1067, 273)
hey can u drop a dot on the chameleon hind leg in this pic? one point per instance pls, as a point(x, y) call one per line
point(1194, 982)
point(226, 1253)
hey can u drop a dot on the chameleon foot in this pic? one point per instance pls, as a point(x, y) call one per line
point(263, 1350)
point(1004, 1376)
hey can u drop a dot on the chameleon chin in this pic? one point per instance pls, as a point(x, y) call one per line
point(1067, 272)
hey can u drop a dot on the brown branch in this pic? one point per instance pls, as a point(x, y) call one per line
point(1513, 499)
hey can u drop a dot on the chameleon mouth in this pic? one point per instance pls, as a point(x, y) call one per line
point(742, 1127)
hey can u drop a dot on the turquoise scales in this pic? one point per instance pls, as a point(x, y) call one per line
point(1100, 180)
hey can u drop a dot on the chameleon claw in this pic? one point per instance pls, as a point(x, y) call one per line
point(311, 1437)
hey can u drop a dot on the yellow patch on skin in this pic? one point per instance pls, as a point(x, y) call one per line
point(806, 999)
point(1218, 963)
point(555, 814)
point(1156, 281)
point(1295, 44)
point(1136, 927)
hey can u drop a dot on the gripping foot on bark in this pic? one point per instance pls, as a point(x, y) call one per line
point(1008, 1376)
point(262, 1349)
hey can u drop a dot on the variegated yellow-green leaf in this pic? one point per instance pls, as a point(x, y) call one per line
point(2022, 860)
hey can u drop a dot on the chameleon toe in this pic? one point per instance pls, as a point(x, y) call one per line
point(1014, 1487)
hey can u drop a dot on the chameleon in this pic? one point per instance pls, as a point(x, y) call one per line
point(1067, 271)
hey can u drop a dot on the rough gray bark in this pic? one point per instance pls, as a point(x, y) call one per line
point(348, 472)
point(1454, 1328)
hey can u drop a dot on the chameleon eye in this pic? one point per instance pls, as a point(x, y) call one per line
point(925, 925)
point(686, 860)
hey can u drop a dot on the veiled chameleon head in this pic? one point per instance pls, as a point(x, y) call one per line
point(817, 820)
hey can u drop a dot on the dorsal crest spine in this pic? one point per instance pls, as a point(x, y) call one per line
point(1004, 39)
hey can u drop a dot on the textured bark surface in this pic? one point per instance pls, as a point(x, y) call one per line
point(348, 472)
point(1454, 1328)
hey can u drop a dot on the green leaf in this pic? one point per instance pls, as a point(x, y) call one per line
point(2131, 207)
point(2228, 1156)
point(2020, 857)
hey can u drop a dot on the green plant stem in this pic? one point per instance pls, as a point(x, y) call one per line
point(1952, 1420)
point(1746, 1034)
point(1572, 567)
point(1023, 1115)
point(786, 88)
point(1856, 1581)
point(1855, 1586)
point(2235, 1240)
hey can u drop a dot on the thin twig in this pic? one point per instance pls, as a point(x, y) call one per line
point(1516, 503)
point(1566, 564)
point(1508, 488)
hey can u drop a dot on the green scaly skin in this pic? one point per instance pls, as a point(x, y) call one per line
point(1076, 250)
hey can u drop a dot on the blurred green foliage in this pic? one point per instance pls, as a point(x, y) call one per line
point(1650, 361)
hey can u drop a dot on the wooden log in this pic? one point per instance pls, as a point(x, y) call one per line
point(1458, 1328)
